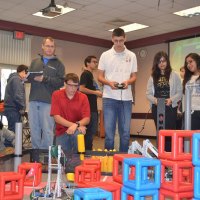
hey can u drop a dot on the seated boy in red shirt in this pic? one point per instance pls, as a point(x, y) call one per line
point(71, 111)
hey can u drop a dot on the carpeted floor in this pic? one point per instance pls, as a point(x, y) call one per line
point(99, 142)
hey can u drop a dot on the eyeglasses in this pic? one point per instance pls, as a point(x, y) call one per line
point(94, 61)
point(72, 86)
point(118, 41)
point(162, 61)
point(48, 46)
point(189, 62)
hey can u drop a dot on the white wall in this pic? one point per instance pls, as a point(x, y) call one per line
point(70, 53)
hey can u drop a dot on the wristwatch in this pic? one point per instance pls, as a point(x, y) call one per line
point(78, 124)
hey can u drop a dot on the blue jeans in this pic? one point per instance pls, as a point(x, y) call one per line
point(91, 130)
point(68, 142)
point(41, 125)
point(117, 110)
point(13, 116)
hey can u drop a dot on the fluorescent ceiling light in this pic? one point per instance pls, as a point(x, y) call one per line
point(132, 27)
point(195, 11)
point(64, 11)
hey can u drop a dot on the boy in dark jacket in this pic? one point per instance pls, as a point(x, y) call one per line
point(14, 100)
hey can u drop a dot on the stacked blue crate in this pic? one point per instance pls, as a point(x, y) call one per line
point(196, 163)
point(92, 194)
point(146, 181)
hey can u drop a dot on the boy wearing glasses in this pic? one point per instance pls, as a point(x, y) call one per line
point(88, 86)
point(71, 111)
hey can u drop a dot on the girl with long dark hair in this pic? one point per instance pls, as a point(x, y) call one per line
point(192, 77)
point(164, 83)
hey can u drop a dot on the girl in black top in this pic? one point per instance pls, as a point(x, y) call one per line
point(165, 84)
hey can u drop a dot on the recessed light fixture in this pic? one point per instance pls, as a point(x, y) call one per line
point(132, 27)
point(191, 12)
point(54, 12)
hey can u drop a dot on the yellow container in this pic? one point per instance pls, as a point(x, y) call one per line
point(105, 164)
point(70, 177)
point(81, 143)
point(82, 156)
point(110, 164)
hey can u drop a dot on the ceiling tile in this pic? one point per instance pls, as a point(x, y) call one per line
point(95, 17)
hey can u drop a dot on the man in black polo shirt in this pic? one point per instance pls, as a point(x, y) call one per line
point(90, 88)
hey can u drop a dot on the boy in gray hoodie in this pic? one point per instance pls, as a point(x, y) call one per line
point(14, 100)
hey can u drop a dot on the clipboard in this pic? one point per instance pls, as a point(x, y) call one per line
point(31, 75)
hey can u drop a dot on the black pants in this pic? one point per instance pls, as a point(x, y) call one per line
point(170, 122)
point(195, 120)
point(179, 122)
point(91, 131)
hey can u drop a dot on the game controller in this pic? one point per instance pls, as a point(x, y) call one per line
point(120, 86)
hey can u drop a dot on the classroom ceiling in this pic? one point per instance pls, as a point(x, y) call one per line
point(94, 18)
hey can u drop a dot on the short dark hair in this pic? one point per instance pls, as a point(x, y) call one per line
point(88, 59)
point(118, 32)
point(21, 68)
point(73, 77)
